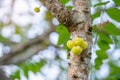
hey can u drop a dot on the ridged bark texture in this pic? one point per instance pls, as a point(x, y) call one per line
point(78, 23)
point(79, 66)
point(58, 10)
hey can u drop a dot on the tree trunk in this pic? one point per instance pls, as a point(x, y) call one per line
point(78, 22)
point(79, 66)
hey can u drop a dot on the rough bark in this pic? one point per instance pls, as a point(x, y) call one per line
point(59, 11)
point(78, 23)
point(79, 65)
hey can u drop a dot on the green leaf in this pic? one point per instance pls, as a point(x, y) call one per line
point(114, 13)
point(111, 29)
point(64, 1)
point(17, 29)
point(26, 70)
point(15, 75)
point(34, 67)
point(98, 63)
point(117, 2)
point(103, 45)
point(28, 66)
point(116, 40)
point(113, 77)
point(3, 39)
point(97, 14)
point(70, 7)
point(101, 54)
point(114, 69)
point(64, 35)
point(1, 25)
point(101, 3)
point(105, 37)
point(48, 16)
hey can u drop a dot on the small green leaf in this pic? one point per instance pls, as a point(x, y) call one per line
point(111, 29)
point(1, 25)
point(15, 75)
point(103, 45)
point(105, 37)
point(117, 2)
point(26, 71)
point(114, 69)
point(17, 29)
point(70, 7)
point(97, 14)
point(3, 39)
point(64, 1)
point(116, 40)
point(114, 13)
point(28, 66)
point(101, 3)
point(48, 16)
point(64, 35)
point(98, 63)
point(101, 54)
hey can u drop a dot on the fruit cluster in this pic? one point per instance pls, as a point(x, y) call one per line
point(77, 46)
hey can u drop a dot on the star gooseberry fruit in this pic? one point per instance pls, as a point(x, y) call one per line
point(84, 45)
point(79, 41)
point(37, 9)
point(76, 50)
point(70, 44)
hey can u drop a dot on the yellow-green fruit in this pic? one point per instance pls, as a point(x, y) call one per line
point(76, 50)
point(84, 45)
point(70, 44)
point(79, 41)
point(37, 9)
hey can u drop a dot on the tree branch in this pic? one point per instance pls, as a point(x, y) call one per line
point(64, 16)
point(59, 11)
point(19, 58)
point(80, 65)
point(20, 48)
